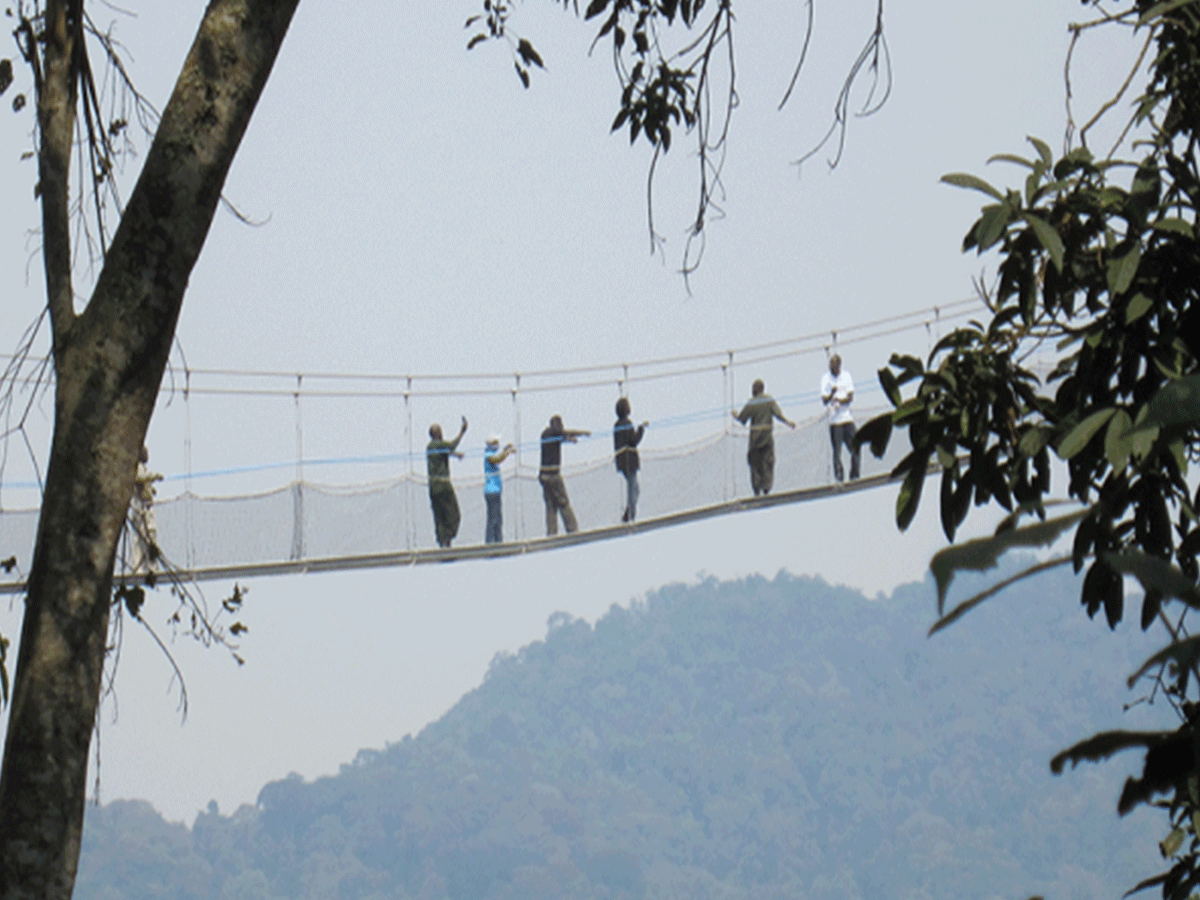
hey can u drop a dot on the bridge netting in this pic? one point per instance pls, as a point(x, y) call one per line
point(309, 521)
point(693, 463)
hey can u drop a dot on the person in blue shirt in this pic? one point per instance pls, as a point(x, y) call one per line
point(493, 486)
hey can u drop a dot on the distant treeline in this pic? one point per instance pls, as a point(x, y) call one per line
point(756, 739)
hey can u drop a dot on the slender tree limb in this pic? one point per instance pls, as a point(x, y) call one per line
point(56, 101)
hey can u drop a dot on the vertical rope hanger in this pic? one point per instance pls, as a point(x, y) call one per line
point(519, 518)
point(409, 524)
point(727, 401)
point(299, 430)
point(189, 518)
point(830, 352)
point(298, 488)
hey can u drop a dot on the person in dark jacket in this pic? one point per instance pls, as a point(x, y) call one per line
point(625, 440)
point(554, 489)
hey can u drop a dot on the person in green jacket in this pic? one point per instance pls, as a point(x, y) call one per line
point(761, 411)
point(446, 515)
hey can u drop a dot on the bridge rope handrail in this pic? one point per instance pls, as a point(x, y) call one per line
point(744, 355)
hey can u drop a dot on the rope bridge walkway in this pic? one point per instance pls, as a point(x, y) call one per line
point(309, 527)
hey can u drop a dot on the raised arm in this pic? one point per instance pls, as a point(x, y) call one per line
point(496, 458)
point(461, 431)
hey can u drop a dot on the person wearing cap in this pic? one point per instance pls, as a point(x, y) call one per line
point(446, 515)
point(493, 485)
point(554, 489)
point(837, 393)
point(761, 411)
point(626, 437)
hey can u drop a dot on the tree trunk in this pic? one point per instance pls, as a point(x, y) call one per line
point(109, 362)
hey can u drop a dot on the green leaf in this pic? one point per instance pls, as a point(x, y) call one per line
point(969, 604)
point(528, 54)
point(1052, 187)
point(982, 554)
point(1141, 440)
point(1175, 403)
point(1117, 446)
point(1185, 654)
point(1171, 843)
point(877, 432)
point(1079, 436)
point(1155, 574)
point(973, 182)
point(1103, 745)
point(1012, 158)
point(1122, 270)
point(1174, 226)
point(1161, 9)
point(1048, 238)
point(908, 410)
point(891, 387)
point(909, 497)
point(1043, 150)
point(992, 224)
point(1138, 307)
point(1032, 442)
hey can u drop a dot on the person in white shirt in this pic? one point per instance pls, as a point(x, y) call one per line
point(837, 393)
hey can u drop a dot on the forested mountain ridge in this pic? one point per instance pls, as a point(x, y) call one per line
point(754, 739)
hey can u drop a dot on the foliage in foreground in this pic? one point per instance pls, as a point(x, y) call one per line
point(1098, 265)
point(759, 739)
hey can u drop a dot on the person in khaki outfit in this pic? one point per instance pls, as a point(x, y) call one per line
point(761, 411)
point(554, 489)
point(442, 499)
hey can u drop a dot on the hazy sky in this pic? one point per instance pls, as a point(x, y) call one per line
point(423, 213)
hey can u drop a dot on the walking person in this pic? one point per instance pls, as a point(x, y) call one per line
point(837, 393)
point(761, 411)
point(493, 486)
point(554, 489)
point(625, 440)
point(442, 499)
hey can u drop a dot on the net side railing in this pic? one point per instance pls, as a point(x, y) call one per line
point(308, 521)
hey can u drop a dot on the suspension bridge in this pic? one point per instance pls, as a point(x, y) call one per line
point(377, 512)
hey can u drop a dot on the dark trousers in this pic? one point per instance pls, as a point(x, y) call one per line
point(445, 515)
point(762, 468)
point(843, 433)
point(554, 492)
point(494, 532)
